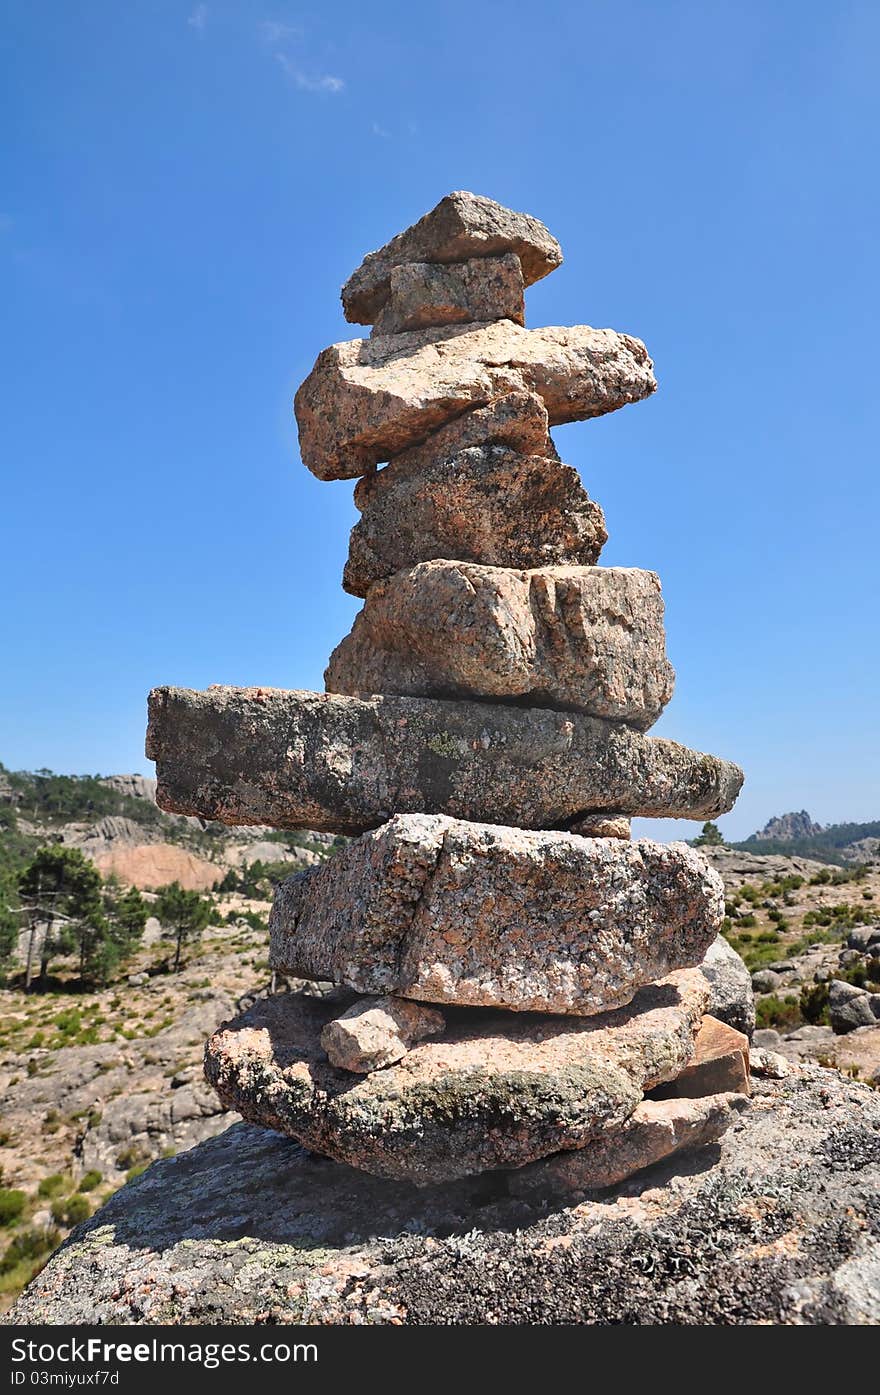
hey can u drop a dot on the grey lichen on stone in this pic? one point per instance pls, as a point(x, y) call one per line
point(773, 1224)
point(343, 764)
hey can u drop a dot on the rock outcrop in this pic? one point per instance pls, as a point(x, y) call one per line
point(775, 1223)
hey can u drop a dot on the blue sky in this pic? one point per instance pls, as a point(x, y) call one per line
point(184, 189)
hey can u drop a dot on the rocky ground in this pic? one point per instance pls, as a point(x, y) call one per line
point(95, 1086)
point(801, 927)
point(777, 1223)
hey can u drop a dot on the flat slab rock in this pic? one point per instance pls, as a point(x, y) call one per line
point(424, 294)
point(343, 765)
point(656, 1129)
point(445, 911)
point(497, 1090)
point(486, 504)
point(586, 638)
point(462, 225)
point(367, 399)
point(774, 1224)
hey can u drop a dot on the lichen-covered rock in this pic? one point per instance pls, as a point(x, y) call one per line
point(367, 399)
point(485, 504)
point(656, 1129)
point(445, 911)
point(425, 294)
point(496, 1090)
point(733, 1000)
point(461, 226)
point(586, 638)
point(777, 1223)
point(343, 765)
point(376, 1032)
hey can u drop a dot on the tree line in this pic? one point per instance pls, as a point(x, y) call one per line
point(65, 909)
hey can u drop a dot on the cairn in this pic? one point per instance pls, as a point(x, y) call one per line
point(517, 982)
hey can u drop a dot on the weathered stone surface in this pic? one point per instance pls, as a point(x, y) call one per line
point(586, 638)
point(445, 911)
point(461, 226)
point(425, 294)
point(376, 1032)
point(719, 1065)
point(733, 1000)
point(850, 1007)
point(485, 504)
point(367, 399)
point(774, 1224)
point(655, 1130)
point(497, 1090)
point(342, 765)
point(602, 826)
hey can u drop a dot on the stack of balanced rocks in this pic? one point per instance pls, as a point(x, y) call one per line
point(516, 981)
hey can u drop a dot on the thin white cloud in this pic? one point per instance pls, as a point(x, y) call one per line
point(307, 82)
point(380, 131)
point(275, 32)
point(198, 19)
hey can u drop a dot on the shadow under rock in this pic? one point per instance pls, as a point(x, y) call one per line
point(252, 1182)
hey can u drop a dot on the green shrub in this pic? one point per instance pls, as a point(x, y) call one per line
point(747, 922)
point(774, 1011)
point(28, 1245)
point(12, 1203)
point(71, 1211)
point(91, 1180)
point(53, 1184)
point(814, 1003)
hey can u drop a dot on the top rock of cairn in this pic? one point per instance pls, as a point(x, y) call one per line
point(514, 977)
point(463, 227)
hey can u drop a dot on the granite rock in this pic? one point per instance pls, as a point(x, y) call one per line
point(445, 911)
point(719, 1064)
point(367, 399)
point(850, 1007)
point(496, 1090)
point(342, 765)
point(461, 226)
point(655, 1130)
point(733, 1000)
point(603, 826)
point(485, 504)
point(376, 1032)
point(425, 294)
point(586, 638)
point(776, 1224)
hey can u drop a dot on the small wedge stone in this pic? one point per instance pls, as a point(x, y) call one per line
point(376, 1032)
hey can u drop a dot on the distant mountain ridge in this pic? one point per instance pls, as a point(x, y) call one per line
point(784, 828)
point(796, 835)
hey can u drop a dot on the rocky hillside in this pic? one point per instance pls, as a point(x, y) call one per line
point(784, 828)
point(116, 823)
